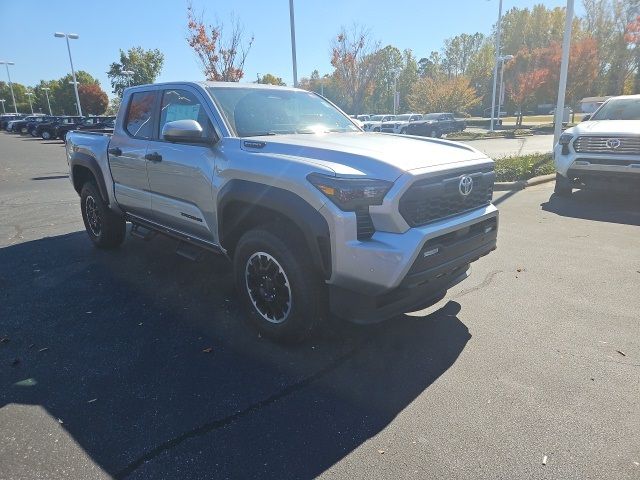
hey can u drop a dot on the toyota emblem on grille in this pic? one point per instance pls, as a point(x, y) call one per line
point(613, 143)
point(466, 185)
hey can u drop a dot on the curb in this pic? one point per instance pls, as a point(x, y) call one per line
point(522, 184)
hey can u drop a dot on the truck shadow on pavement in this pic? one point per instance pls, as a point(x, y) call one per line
point(601, 206)
point(145, 358)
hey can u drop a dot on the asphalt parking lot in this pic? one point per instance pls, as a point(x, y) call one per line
point(137, 363)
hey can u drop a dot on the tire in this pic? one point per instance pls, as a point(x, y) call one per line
point(376, 129)
point(105, 228)
point(46, 135)
point(403, 131)
point(563, 187)
point(277, 285)
point(23, 130)
point(433, 134)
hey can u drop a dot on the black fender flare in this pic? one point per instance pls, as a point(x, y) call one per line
point(312, 224)
point(84, 160)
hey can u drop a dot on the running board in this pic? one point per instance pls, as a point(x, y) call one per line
point(142, 232)
point(189, 251)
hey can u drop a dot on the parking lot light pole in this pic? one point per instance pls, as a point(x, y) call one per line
point(503, 60)
point(46, 92)
point(29, 95)
point(72, 36)
point(564, 68)
point(495, 66)
point(6, 64)
point(2, 100)
point(293, 44)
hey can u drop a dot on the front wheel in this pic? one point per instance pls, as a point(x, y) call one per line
point(46, 135)
point(105, 228)
point(278, 286)
point(563, 186)
point(403, 131)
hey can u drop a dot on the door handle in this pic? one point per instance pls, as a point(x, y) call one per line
point(153, 157)
point(115, 151)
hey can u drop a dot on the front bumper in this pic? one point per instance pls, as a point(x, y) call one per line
point(415, 272)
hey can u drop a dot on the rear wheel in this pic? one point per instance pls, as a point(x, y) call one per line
point(105, 228)
point(403, 131)
point(563, 186)
point(23, 130)
point(46, 135)
point(279, 288)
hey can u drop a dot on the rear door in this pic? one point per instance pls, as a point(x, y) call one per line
point(181, 174)
point(127, 151)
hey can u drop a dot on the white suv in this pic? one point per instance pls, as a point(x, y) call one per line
point(375, 122)
point(399, 123)
point(603, 152)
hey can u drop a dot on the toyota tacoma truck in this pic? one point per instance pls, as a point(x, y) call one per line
point(320, 219)
point(602, 152)
point(436, 125)
point(400, 123)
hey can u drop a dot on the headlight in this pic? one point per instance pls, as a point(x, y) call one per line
point(351, 193)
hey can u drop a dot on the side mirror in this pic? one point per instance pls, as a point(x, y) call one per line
point(187, 131)
point(586, 118)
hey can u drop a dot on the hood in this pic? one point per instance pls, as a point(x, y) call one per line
point(607, 127)
point(361, 153)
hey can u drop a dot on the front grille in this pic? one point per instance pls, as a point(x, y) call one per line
point(439, 197)
point(607, 144)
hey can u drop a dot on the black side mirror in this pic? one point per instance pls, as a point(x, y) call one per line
point(586, 118)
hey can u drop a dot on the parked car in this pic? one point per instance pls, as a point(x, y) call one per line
point(399, 123)
point(315, 214)
point(375, 122)
point(48, 130)
point(436, 125)
point(5, 119)
point(33, 124)
point(87, 123)
point(20, 126)
point(487, 112)
point(602, 152)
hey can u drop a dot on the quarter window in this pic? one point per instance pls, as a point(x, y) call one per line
point(139, 123)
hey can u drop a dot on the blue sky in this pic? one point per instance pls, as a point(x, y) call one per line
point(107, 26)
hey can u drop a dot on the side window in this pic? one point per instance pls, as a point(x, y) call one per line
point(183, 105)
point(139, 122)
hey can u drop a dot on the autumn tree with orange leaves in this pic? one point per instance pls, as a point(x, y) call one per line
point(222, 57)
point(524, 87)
point(355, 59)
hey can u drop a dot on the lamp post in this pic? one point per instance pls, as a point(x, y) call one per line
point(130, 74)
point(503, 59)
point(29, 95)
point(6, 64)
point(564, 68)
point(2, 100)
point(72, 36)
point(46, 92)
point(495, 67)
point(293, 44)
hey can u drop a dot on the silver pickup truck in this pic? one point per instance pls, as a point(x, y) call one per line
point(318, 217)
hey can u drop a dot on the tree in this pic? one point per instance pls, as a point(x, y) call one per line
point(407, 78)
point(458, 52)
point(480, 71)
point(270, 79)
point(390, 65)
point(444, 95)
point(64, 94)
point(222, 58)
point(524, 87)
point(146, 65)
point(432, 66)
point(356, 60)
point(114, 106)
point(93, 99)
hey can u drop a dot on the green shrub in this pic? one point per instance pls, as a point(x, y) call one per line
point(510, 169)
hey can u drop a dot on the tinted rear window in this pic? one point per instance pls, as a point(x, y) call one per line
point(139, 123)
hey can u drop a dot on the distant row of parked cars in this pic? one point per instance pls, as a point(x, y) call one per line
point(429, 125)
point(49, 127)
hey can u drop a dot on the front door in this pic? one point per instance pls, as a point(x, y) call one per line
point(181, 174)
point(127, 151)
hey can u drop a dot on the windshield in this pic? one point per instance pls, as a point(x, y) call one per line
point(619, 109)
point(376, 118)
point(431, 116)
point(263, 111)
point(403, 118)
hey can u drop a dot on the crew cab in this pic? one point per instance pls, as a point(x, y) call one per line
point(375, 122)
point(603, 151)
point(318, 217)
point(436, 125)
point(400, 123)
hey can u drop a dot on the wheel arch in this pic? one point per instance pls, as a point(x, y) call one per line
point(243, 205)
point(83, 168)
